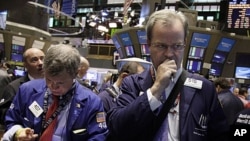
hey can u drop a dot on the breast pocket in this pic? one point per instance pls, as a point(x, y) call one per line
point(80, 134)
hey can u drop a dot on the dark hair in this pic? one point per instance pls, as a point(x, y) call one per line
point(222, 82)
point(130, 67)
point(242, 91)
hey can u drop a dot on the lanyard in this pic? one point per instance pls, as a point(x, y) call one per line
point(66, 98)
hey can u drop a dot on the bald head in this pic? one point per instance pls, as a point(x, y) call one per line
point(33, 62)
point(84, 66)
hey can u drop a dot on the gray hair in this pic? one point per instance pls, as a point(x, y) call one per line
point(167, 17)
point(62, 57)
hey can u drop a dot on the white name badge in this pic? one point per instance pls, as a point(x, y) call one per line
point(194, 83)
point(36, 109)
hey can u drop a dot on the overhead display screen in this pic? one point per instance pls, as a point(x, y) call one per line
point(238, 14)
point(142, 37)
point(200, 40)
point(225, 44)
point(125, 39)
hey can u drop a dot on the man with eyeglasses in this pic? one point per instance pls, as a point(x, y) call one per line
point(193, 114)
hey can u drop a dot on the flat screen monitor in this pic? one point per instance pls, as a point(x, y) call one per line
point(194, 66)
point(130, 51)
point(216, 69)
point(219, 57)
point(17, 49)
point(125, 38)
point(142, 37)
point(238, 14)
point(144, 49)
point(196, 52)
point(200, 40)
point(91, 75)
point(225, 44)
point(235, 15)
point(242, 72)
point(19, 73)
point(16, 57)
point(116, 43)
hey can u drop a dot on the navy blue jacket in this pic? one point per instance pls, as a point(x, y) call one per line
point(133, 119)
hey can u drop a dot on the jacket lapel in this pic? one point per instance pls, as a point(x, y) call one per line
point(77, 105)
point(187, 95)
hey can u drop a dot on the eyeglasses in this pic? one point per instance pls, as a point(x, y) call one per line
point(175, 47)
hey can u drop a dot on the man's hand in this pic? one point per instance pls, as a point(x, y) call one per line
point(25, 134)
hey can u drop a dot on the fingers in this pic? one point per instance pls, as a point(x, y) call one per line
point(27, 134)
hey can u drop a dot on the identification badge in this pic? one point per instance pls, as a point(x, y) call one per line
point(194, 83)
point(36, 109)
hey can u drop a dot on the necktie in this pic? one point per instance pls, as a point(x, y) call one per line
point(48, 133)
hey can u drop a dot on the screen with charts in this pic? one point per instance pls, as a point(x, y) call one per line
point(216, 69)
point(196, 52)
point(194, 66)
point(144, 49)
point(225, 44)
point(219, 57)
point(238, 14)
point(129, 51)
point(127, 44)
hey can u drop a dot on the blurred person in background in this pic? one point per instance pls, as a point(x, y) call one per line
point(33, 63)
point(106, 81)
point(230, 103)
point(110, 94)
point(243, 97)
point(236, 91)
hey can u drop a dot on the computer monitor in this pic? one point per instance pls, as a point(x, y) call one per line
point(16, 57)
point(130, 51)
point(200, 39)
point(225, 44)
point(19, 49)
point(242, 72)
point(216, 69)
point(194, 66)
point(144, 49)
point(219, 57)
point(142, 37)
point(125, 38)
point(19, 73)
point(196, 52)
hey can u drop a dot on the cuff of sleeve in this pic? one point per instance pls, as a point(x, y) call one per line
point(10, 134)
point(153, 101)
